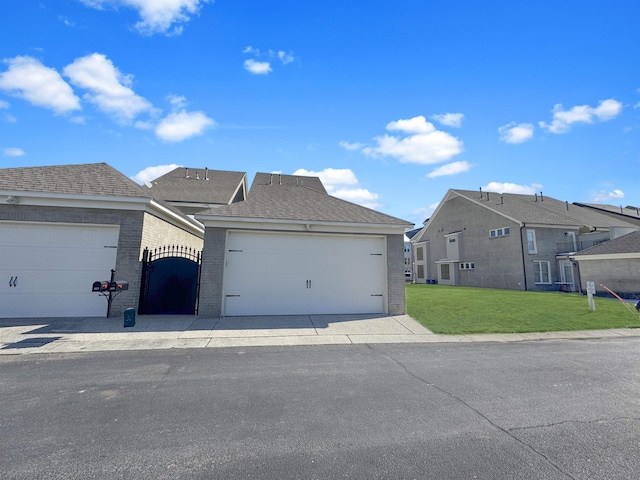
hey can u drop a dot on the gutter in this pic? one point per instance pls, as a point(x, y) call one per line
point(524, 265)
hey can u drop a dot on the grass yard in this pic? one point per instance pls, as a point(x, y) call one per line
point(456, 310)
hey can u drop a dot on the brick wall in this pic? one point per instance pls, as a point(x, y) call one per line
point(621, 276)
point(395, 274)
point(158, 233)
point(210, 303)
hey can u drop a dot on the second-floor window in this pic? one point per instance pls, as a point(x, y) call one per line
point(499, 232)
point(531, 241)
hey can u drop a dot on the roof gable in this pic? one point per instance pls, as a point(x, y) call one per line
point(193, 185)
point(542, 210)
point(304, 199)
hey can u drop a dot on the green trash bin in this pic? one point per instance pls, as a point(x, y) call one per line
point(130, 317)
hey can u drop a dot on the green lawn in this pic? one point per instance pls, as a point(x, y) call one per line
point(455, 310)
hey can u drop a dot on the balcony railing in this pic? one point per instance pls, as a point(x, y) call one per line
point(576, 246)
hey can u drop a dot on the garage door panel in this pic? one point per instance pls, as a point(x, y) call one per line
point(55, 265)
point(56, 258)
point(270, 273)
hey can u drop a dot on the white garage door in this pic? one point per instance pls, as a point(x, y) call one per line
point(285, 274)
point(46, 269)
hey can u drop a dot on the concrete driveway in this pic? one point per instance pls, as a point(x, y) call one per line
point(64, 335)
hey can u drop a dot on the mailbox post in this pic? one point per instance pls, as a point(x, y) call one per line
point(109, 289)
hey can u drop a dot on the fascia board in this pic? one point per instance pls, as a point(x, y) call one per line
point(421, 233)
point(41, 199)
point(299, 225)
point(559, 227)
point(175, 219)
point(606, 256)
point(243, 185)
point(79, 201)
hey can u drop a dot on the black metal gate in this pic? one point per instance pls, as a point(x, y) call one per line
point(170, 281)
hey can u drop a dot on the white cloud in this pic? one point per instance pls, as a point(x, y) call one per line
point(157, 16)
point(412, 125)
point(285, 57)
point(257, 68)
point(179, 126)
point(4, 105)
point(512, 188)
point(516, 133)
point(261, 64)
point(449, 119)
point(177, 101)
point(450, 169)
point(426, 210)
point(342, 183)
point(151, 173)
point(361, 196)
point(351, 146)
point(66, 21)
point(563, 119)
point(13, 152)
point(424, 144)
point(603, 196)
point(331, 177)
point(110, 89)
point(42, 86)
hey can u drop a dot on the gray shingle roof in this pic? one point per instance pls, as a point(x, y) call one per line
point(93, 179)
point(288, 197)
point(630, 214)
point(195, 185)
point(543, 210)
point(629, 243)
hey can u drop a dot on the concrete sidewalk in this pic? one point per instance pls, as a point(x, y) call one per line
point(65, 335)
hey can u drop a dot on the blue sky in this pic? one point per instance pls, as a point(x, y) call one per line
point(391, 103)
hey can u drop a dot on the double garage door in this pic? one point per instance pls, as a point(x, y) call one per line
point(46, 269)
point(286, 274)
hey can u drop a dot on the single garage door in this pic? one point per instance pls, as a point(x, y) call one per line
point(46, 269)
point(286, 274)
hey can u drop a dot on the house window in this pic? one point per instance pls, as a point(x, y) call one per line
point(452, 239)
point(444, 271)
point(499, 232)
point(467, 265)
point(420, 271)
point(531, 241)
point(419, 254)
point(542, 271)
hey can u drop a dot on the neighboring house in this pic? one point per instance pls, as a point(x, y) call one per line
point(192, 190)
point(520, 242)
point(407, 258)
point(628, 214)
point(614, 264)
point(64, 227)
point(290, 248)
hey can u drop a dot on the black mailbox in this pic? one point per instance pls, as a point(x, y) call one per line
point(113, 287)
point(121, 286)
point(97, 287)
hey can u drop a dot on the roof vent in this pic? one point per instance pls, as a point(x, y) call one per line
point(480, 192)
point(536, 197)
point(186, 175)
point(206, 173)
point(541, 198)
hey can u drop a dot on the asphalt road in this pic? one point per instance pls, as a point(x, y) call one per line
point(533, 410)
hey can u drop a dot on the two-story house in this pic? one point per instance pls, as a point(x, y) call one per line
point(510, 241)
